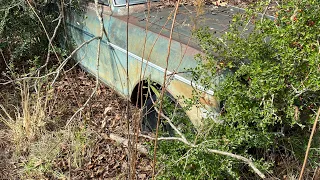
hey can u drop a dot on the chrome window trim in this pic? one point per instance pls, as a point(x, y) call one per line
point(122, 5)
point(148, 63)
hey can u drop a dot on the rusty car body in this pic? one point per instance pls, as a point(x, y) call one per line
point(148, 42)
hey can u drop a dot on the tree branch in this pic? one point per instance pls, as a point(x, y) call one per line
point(246, 160)
point(185, 141)
point(44, 28)
point(70, 56)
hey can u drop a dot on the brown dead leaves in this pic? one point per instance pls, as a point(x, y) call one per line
point(104, 114)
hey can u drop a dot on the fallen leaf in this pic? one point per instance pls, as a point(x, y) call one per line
point(142, 176)
point(103, 124)
point(107, 109)
point(118, 117)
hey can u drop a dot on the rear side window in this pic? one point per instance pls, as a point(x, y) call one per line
point(123, 2)
point(104, 2)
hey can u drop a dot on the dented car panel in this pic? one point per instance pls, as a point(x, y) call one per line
point(148, 49)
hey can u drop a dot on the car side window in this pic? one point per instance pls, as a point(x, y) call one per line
point(123, 2)
point(104, 2)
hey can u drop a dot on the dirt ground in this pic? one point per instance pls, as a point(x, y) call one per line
point(107, 114)
point(6, 150)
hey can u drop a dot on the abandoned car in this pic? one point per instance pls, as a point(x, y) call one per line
point(148, 48)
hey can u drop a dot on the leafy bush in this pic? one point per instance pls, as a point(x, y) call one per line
point(269, 97)
point(22, 36)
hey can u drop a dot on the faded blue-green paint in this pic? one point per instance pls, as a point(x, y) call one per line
point(112, 69)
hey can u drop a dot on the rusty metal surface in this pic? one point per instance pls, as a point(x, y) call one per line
point(148, 62)
point(217, 19)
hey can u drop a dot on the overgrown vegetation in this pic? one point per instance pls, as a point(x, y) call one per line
point(269, 95)
point(38, 149)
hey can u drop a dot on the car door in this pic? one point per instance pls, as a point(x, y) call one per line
point(85, 25)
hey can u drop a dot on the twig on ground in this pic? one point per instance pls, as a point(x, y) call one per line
point(125, 142)
point(316, 174)
point(265, 11)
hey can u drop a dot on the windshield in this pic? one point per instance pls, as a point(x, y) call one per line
point(123, 2)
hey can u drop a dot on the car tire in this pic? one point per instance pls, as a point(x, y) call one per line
point(150, 117)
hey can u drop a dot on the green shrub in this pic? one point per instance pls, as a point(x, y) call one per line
point(22, 36)
point(269, 97)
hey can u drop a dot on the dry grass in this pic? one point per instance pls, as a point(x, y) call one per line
point(25, 122)
point(47, 156)
point(36, 149)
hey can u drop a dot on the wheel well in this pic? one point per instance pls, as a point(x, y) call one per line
point(138, 97)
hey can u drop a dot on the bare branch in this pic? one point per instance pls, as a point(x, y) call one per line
point(171, 124)
point(130, 162)
point(44, 28)
point(70, 56)
point(97, 60)
point(57, 71)
point(25, 78)
point(297, 92)
point(50, 42)
point(163, 89)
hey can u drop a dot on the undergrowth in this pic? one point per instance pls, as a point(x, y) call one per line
point(39, 151)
